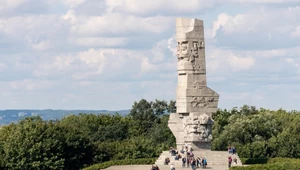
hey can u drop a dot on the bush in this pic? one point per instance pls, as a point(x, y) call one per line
point(268, 160)
point(121, 162)
point(271, 164)
point(274, 166)
point(254, 160)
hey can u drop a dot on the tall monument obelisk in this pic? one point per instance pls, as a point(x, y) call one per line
point(195, 102)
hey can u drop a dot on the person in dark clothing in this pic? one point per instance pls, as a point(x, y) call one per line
point(229, 161)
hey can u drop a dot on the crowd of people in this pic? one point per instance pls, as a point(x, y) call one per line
point(188, 158)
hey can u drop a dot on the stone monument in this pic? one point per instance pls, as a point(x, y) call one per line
point(195, 102)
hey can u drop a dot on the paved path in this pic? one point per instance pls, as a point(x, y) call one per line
point(162, 167)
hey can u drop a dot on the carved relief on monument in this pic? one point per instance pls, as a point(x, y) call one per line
point(199, 84)
point(203, 102)
point(184, 52)
point(202, 45)
point(199, 126)
point(199, 68)
point(194, 51)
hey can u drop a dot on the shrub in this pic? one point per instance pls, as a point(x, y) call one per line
point(121, 162)
point(271, 164)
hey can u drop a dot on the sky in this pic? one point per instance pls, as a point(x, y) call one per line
point(106, 54)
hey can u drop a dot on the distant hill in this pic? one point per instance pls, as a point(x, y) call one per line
point(9, 116)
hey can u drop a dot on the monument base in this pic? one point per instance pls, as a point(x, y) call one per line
point(200, 146)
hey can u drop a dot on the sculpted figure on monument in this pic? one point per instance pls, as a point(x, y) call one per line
point(199, 126)
point(198, 68)
point(191, 125)
point(186, 53)
point(203, 101)
point(182, 51)
point(194, 52)
point(198, 101)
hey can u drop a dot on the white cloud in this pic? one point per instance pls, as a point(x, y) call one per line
point(293, 62)
point(73, 3)
point(225, 61)
point(221, 21)
point(6, 5)
point(100, 41)
point(262, 1)
point(69, 50)
point(31, 85)
point(241, 63)
point(296, 32)
point(3, 66)
point(256, 29)
point(117, 24)
point(71, 16)
point(138, 7)
point(42, 45)
point(172, 7)
point(95, 59)
point(39, 32)
point(56, 66)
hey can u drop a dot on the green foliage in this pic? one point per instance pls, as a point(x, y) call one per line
point(79, 141)
point(121, 162)
point(254, 160)
point(257, 133)
point(271, 164)
point(32, 144)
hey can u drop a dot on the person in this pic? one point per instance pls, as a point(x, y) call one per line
point(204, 162)
point(154, 167)
point(177, 157)
point(183, 162)
point(191, 154)
point(234, 161)
point(182, 150)
point(193, 163)
point(167, 160)
point(172, 167)
point(229, 161)
point(198, 162)
point(233, 150)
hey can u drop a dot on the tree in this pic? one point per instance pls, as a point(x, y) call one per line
point(33, 144)
point(172, 106)
point(142, 111)
point(143, 118)
point(159, 107)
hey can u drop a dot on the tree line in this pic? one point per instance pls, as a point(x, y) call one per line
point(77, 141)
point(258, 133)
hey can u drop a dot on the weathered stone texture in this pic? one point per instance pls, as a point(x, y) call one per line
point(194, 100)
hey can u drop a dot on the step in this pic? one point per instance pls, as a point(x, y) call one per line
point(212, 157)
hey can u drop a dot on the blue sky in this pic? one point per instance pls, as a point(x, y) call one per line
point(106, 54)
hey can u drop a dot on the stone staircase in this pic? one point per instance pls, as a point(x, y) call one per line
point(213, 158)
